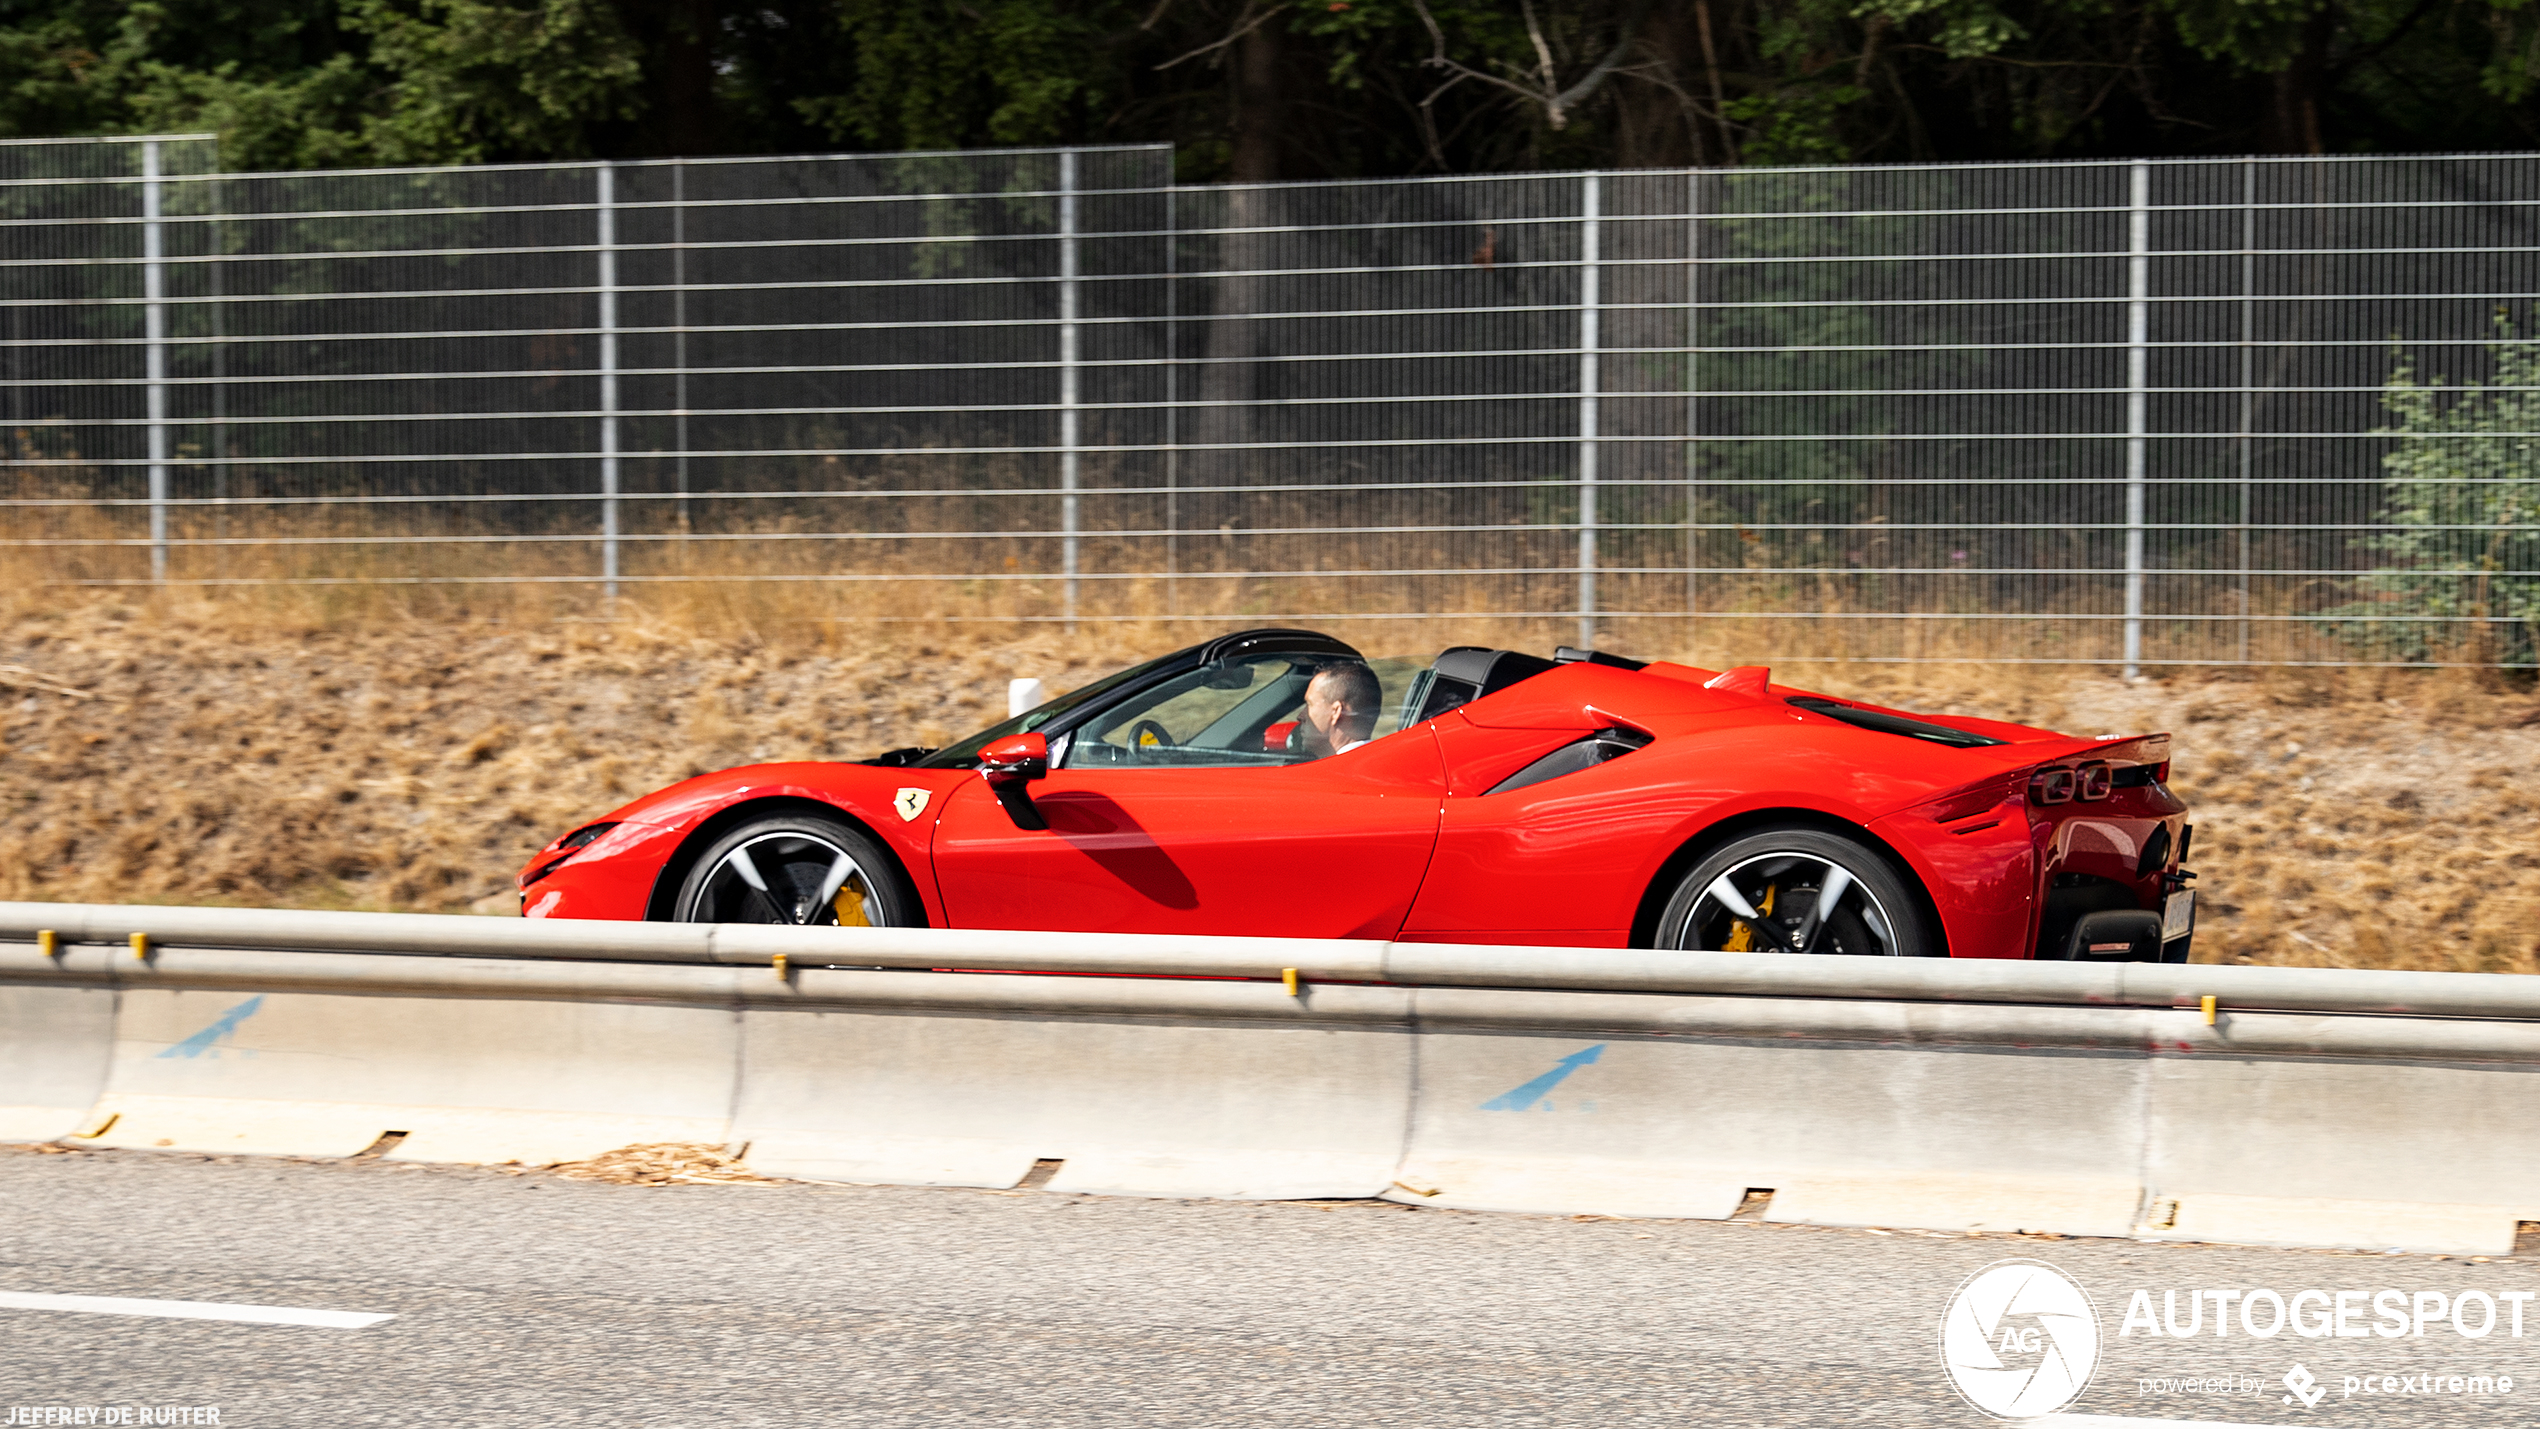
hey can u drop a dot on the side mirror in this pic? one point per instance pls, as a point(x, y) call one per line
point(1010, 765)
point(1280, 738)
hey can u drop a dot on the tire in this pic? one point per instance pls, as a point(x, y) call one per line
point(793, 857)
point(1778, 873)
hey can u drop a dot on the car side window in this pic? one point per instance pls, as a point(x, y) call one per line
point(1232, 713)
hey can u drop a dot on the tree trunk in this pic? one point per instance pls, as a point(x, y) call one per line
point(1262, 104)
point(683, 65)
point(1654, 128)
point(1229, 379)
point(2293, 116)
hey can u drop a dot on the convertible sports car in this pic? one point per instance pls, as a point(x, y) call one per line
point(1583, 800)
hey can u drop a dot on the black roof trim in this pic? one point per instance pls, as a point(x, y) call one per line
point(1274, 639)
point(1487, 670)
point(1573, 655)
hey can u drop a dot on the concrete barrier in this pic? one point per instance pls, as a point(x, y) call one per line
point(2316, 1108)
point(321, 1055)
point(2400, 1151)
point(1262, 1101)
point(2265, 1129)
point(1904, 1130)
point(54, 1041)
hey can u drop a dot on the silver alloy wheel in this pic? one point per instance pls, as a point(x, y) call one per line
point(1788, 901)
point(788, 876)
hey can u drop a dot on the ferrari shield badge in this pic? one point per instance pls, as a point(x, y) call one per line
point(910, 803)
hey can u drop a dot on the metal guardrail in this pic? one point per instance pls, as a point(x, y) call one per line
point(2487, 996)
point(2102, 411)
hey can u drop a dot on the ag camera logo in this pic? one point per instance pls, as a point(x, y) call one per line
point(2019, 1339)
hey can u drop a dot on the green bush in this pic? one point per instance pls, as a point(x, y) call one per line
point(2461, 491)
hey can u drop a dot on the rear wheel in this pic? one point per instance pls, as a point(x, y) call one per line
point(1795, 890)
point(801, 869)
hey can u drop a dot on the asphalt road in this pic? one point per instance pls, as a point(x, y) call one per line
point(523, 1299)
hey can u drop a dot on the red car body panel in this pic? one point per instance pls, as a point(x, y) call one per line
point(617, 875)
point(1402, 838)
point(1334, 848)
point(1570, 860)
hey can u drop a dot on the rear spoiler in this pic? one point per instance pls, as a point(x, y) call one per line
point(2019, 768)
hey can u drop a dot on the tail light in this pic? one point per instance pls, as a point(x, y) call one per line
point(2052, 786)
point(2096, 781)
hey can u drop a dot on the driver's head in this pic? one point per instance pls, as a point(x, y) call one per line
point(1341, 701)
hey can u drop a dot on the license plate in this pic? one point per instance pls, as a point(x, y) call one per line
point(2178, 916)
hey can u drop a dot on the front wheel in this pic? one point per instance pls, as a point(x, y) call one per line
point(801, 869)
point(1795, 890)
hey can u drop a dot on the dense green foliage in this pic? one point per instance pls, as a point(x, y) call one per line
point(1282, 88)
point(2462, 502)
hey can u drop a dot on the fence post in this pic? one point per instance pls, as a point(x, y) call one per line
point(1693, 397)
point(2248, 407)
point(1067, 394)
point(1591, 200)
point(1172, 404)
point(218, 243)
point(679, 333)
point(2138, 301)
point(606, 179)
point(154, 326)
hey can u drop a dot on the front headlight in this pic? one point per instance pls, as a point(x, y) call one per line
point(565, 848)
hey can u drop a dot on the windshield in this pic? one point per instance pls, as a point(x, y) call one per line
point(966, 753)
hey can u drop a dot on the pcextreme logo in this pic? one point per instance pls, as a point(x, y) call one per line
point(2019, 1339)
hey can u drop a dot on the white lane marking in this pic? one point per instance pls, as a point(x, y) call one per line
point(191, 1310)
point(2119, 1421)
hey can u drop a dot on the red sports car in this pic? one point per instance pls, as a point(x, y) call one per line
point(1276, 783)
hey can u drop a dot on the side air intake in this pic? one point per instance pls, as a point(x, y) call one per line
point(1596, 749)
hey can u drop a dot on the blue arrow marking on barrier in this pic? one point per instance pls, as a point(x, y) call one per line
point(222, 1028)
point(1524, 1098)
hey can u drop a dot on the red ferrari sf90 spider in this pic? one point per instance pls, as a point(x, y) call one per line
point(1583, 800)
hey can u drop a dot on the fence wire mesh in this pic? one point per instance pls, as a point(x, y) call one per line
point(2140, 413)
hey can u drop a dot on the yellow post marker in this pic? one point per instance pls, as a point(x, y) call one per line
point(778, 963)
point(1287, 976)
point(2209, 1011)
point(48, 942)
point(141, 946)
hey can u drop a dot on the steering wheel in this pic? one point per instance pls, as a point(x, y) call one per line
point(1138, 735)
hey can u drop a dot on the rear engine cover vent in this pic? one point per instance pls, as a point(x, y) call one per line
point(1886, 723)
point(1570, 758)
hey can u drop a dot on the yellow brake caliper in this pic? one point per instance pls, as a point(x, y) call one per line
point(1741, 937)
point(850, 905)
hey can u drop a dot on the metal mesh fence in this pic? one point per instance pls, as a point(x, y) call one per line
point(2138, 413)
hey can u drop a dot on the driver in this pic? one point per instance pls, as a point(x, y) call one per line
point(1341, 701)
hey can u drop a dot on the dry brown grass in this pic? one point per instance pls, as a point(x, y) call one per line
point(664, 1163)
point(409, 765)
point(330, 749)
